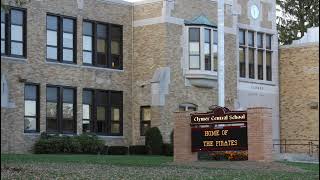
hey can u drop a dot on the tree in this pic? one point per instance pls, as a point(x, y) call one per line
point(17, 2)
point(296, 17)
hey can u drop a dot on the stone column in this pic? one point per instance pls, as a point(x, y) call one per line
point(182, 138)
point(259, 134)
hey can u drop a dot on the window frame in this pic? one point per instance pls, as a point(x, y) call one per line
point(108, 44)
point(60, 32)
point(7, 32)
point(37, 85)
point(108, 106)
point(59, 116)
point(143, 121)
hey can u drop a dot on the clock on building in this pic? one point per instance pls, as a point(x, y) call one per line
point(255, 11)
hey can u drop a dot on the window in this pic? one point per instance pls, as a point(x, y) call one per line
point(102, 45)
point(13, 32)
point(203, 52)
point(102, 112)
point(257, 53)
point(194, 48)
point(187, 107)
point(145, 119)
point(31, 108)
point(61, 39)
point(61, 109)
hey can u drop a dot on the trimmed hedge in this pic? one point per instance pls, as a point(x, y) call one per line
point(138, 150)
point(153, 141)
point(54, 144)
point(118, 150)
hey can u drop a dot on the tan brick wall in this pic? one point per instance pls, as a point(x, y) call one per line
point(36, 70)
point(259, 134)
point(149, 10)
point(299, 89)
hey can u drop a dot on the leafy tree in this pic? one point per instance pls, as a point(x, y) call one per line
point(17, 2)
point(296, 17)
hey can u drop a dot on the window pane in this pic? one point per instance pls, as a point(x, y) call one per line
point(52, 125)
point(251, 63)
point(242, 64)
point(101, 59)
point(116, 33)
point(260, 40)
point(101, 45)
point(194, 48)
point(51, 53)
point(207, 62)
point(87, 57)
point(52, 22)
point(194, 34)
point(67, 25)
point(115, 114)
point(207, 35)
point(87, 97)
point(68, 95)
point(2, 47)
point(67, 125)
point(269, 66)
point(30, 108)
point(241, 37)
point(51, 38)
point(260, 65)
point(268, 41)
point(146, 116)
point(87, 43)
point(116, 98)
point(102, 98)
point(3, 15)
point(68, 40)
point(115, 128)
point(115, 47)
point(3, 34)
point(215, 37)
point(101, 113)
point(30, 124)
point(101, 31)
point(86, 111)
point(87, 28)
point(16, 48)
point(52, 94)
point(30, 92)
point(16, 33)
point(68, 55)
point(195, 62)
point(215, 57)
point(51, 109)
point(250, 38)
point(67, 110)
point(16, 17)
point(207, 49)
point(86, 126)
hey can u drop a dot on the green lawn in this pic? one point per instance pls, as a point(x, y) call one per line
point(144, 167)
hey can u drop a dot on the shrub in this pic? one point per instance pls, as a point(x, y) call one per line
point(48, 144)
point(138, 149)
point(118, 150)
point(172, 137)
point(154, 141)
point(167, 149)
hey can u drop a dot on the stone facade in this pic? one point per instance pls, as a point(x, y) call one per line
point(299, 95)
point(155, 46)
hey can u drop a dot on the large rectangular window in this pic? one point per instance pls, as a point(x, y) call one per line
point(31, 108)
point(194, 48)
point(145, 119)
point(102, 45)
point(13, 32)
point(61, 109)
point(102, 112)
point(259, 50)
point(61, 39)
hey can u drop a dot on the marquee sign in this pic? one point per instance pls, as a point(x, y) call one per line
point(225, 130)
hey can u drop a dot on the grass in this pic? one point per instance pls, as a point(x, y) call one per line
point(141, 167)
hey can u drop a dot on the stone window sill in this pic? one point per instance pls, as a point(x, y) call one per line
point(15, 59)
point(255, 81)
point(205, 79)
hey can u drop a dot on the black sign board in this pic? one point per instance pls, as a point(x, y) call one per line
point(220, 138)
point(225, 130)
